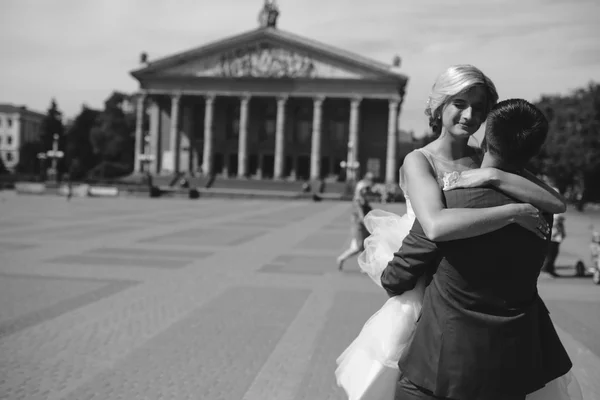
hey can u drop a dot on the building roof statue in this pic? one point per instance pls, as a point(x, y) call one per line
point(267, 18)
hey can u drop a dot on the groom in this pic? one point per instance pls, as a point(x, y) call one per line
point(484, 333)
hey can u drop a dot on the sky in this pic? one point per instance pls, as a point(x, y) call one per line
point(79, 51)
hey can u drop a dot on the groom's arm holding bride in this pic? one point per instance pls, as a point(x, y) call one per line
point(416, 257)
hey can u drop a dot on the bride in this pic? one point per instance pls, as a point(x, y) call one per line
point(460, 100)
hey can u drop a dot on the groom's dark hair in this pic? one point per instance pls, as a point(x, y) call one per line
point(515, 131)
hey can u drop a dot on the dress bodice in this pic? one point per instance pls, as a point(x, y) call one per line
point(440, 167)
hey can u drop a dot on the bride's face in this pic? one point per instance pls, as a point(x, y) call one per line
point(465, 112)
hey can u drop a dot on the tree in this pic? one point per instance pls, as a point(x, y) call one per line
point(29, 163)
point(52, 124)
point(113, 135)
point(3, 169)
point(571, 154)
point(79, 151)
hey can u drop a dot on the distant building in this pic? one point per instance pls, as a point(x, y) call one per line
point(269, 104)
point(18, 125)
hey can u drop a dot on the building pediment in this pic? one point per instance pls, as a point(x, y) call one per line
point(262, 59)
point(268, 53)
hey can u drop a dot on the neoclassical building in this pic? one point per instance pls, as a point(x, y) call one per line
point(18, 126)
point(269, 104)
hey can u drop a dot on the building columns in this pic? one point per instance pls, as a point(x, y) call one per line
point(180, 121)
point(139, 134)
point(280, 138)
point(392, 143)
point(243, 138)
point(155, 134)
point(315, 151)
point(174, 138)
point(207, 153)
point(185, 139)
point(352, 162)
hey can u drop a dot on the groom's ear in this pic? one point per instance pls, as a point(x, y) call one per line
point(484, 145)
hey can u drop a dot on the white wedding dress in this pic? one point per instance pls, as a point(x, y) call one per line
point(368, 368)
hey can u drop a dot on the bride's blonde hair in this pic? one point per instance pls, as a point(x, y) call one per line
point(456, 80)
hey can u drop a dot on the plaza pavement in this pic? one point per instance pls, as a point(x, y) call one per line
point(201, 299)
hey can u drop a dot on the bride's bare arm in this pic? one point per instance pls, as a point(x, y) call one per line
point(441, 224)
point(529, 189)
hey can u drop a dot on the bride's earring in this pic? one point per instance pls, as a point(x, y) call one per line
point(436, 124)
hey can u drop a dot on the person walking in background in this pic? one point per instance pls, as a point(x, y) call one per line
point(73, 167)
point(211, 180)
point(595, 249)
point(360, 208)
point(557, 236)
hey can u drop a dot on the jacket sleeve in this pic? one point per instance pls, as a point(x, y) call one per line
point(416, 257)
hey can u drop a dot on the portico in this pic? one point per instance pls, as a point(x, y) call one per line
point(269, 104)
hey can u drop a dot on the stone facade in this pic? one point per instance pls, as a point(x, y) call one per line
point(18, 125)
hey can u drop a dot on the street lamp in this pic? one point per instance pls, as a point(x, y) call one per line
point(55, 154)
point(352, 165)
point(146, 157)
point(42, 164)
point(351, 168)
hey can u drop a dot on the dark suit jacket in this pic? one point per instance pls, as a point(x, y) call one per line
point(484, 332)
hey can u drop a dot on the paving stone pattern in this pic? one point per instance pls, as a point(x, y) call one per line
point(189, 299)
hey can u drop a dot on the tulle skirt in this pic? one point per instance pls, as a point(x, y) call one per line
point(387, 231)
point(368, 368)
point(565, 387)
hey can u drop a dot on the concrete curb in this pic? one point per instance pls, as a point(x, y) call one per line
point(91, 190)
point(30, 188)
point(77, 190)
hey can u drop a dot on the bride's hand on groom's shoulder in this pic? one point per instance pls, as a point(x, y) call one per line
point(469, 179)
